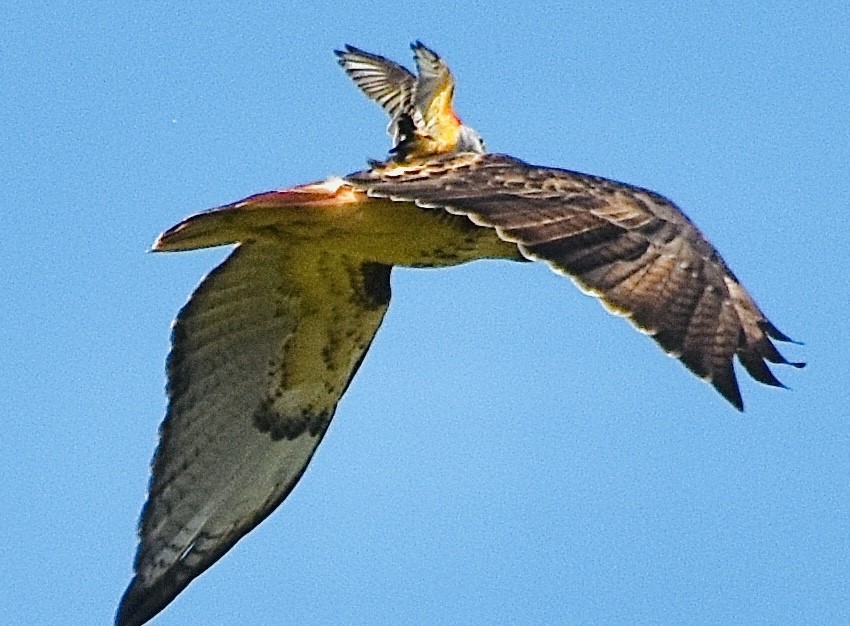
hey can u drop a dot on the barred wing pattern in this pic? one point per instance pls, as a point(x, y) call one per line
point(422, 119)
point(386, 82)
point(630, 247)
point(425, 98)
point(257, 366)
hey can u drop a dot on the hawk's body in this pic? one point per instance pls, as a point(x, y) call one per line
point(270, 340)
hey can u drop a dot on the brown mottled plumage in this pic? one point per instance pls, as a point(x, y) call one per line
point(269, 341)
point(631, 247)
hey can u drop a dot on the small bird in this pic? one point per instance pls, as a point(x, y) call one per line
point(422, 120)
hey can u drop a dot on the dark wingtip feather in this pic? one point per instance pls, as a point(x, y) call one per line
point(767, 350)
point(758, 369)
point(138, 606)
point(348, 49)
point(774, 333)
point(774, 355)
point(726, 383)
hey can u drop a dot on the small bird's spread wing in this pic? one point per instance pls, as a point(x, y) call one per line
point(396, 89)
point(386, 82)
point(260, 356)
point(435, 86)
point(630, 247)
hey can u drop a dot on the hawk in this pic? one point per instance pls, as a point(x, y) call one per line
point(422, 119)
point(270, 340)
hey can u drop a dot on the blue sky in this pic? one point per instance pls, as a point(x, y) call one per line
point(508, 452)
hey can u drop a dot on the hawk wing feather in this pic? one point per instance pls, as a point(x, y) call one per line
point(250, 398)
point(628, 246)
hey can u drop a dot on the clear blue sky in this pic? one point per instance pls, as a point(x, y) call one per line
point(508, 452)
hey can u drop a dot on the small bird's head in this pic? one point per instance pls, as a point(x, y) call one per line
point(468, 140)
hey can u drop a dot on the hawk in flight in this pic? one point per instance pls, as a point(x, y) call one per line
point(422, 118)
point(269, 341)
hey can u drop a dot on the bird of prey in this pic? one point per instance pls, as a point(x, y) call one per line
point(422, 119)
point(270, 340)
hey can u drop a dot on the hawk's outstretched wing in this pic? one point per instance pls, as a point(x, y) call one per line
point(630, 247)
point(261, 354)
point(269, 341)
